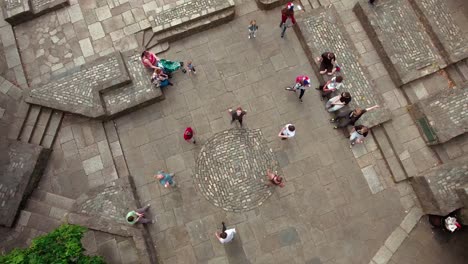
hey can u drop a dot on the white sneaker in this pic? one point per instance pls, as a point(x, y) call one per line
point(249, 36)
point(255, 36)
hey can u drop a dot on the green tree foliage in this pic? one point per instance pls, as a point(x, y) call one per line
point(61, 246)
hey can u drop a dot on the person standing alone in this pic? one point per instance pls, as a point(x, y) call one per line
point(226, 236)
point(237, 115)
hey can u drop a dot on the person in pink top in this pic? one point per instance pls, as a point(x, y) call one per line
point(302, 83)
point(149, 60)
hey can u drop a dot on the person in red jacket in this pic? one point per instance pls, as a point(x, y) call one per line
point(288, 12)
point(189, 135)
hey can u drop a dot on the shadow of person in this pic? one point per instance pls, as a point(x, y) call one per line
point(235, 252)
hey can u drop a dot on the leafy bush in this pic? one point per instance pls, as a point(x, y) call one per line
point(61, 246)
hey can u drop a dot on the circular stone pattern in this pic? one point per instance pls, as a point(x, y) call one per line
point(231, 169)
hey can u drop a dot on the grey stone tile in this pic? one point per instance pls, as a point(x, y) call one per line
point(110, 251)
point(92, 165)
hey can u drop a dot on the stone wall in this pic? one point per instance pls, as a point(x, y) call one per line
point(437, 188)
point(446, 114)
point(22, 165)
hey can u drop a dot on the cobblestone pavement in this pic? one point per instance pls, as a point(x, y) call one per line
point(440, 17)
point(392, 21)
point(447, 113)
point(231, 169)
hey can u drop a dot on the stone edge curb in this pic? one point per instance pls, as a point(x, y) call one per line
point(396, 238)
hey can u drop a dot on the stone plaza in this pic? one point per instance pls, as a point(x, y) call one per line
point(84, 130)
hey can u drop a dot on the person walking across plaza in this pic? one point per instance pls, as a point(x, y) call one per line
point(226, 236)
point(358, 133)
point(165, 179)
point(288, 131)
point(328, 88)
point(287, 14)
point(253, 29)
point(338, 102)
point(138, 216)
point(237, 115)
point(327, 63)
point(302, 83)
point(189, 135)
point(349, 118)
point(275, 179)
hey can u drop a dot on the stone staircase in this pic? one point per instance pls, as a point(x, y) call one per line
point(41, 126)
point(175, 21)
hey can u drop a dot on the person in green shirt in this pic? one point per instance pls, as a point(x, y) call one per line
point(138, 216)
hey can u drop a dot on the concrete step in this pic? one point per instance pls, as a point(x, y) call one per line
point(40, 222)
point(46, 200)
point(394, 164)
point(52, 129)
point(41, 125)
point(116, 149)
point(30, 122)
point(191, 27)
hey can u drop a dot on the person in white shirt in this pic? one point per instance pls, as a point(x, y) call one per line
point(331, 86)
point(288, 131)
point(226, 236)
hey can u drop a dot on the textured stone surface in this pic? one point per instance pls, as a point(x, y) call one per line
point(231, 169)
point(400, 39)
point(447, 113)
point(138, 92)
point(440, 19)
point(436, 188)
point(322, 22)
point(22, 165)
point(80, 91)
point(182, 11)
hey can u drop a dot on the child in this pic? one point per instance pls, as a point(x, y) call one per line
point(188, 135)
point(252, 28)
point(190, 68)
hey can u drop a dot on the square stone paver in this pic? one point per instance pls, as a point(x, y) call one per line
point(92, 165)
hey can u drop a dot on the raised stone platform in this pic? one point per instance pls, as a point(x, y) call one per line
point(437, 188)
point(19, 11)
point(100, 89)
point(400, 39)
point(444, 28)
point(314, 26)
point(182, 18)
point(443, 116)
point(270, 4)
point(21, 165)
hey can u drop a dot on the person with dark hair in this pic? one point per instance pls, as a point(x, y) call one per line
point(348, 118)
point(151, 61)
point(237, 115)
point(327, 63)
point(338, 102)
point(371, 2)
point(358, 133)
point(302, 83)
point(332, 85)
point(274, 179)
point(227, 235)
point(288, 131)
point(138, 216)
point(288, 12)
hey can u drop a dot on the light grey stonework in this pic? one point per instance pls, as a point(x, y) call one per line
point(437, 188)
